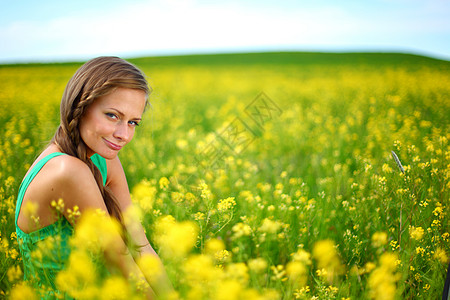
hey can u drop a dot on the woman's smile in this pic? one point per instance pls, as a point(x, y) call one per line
point(112, 145)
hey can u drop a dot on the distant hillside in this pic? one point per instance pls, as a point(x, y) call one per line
point(300, 58)
point(280, 58)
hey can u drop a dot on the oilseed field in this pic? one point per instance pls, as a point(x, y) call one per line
point(257, 176)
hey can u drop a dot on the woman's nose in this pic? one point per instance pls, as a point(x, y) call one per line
point(123, 132)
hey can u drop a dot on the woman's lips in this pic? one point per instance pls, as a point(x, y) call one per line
point(112, 145)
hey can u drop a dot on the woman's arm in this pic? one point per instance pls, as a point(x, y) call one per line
point(82, 191)
point(117, 182)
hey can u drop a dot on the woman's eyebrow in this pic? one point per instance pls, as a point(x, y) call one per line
point(122, 114)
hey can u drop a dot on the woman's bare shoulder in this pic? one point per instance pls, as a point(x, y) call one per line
point(69, 168)
point(72, 180)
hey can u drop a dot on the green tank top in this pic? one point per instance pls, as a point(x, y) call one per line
point(46, 250)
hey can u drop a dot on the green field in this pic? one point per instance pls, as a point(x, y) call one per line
point(301, 142)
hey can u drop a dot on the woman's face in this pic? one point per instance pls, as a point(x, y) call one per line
point(109, 122)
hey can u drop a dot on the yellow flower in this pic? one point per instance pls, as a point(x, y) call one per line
point(30, 209)
point(96, 231)
point(151, 267)
point(302, 292)
point(213, 246)
point(115, 287)
point(226, 204)
point(369, 266)
point(205, 191)
point(198, 216)
point(175, 239)
point(132, 218)
point(420, 250)
point(163, 183)
point(241, 229)
point(441, 256)
point(297, 272)
point(416, 232)
point(228, 290)
point(73, 214)
point(327, 258)
point(279, 272)
point(177, 197)
point(382, 281)
point(302, 256)
point(379, 239)
point(181, 144)
point(270, 226)
point(257, 265)
point(14, 273)
point(222, 256)
point(238, 272)
point(199, 269)
point(58, 205)
point(79, 278)
point(22, 291)
point(144, 194)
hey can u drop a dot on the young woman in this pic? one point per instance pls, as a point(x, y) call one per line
point(101, 107)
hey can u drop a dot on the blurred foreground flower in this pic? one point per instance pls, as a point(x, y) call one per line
point(22, 291)
point(379, 239)
point(143, 194)
point(96, 232)
point(175, 239)
point(327, 260)
point(382, 281)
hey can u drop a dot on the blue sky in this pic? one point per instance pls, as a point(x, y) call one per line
point(50, 30)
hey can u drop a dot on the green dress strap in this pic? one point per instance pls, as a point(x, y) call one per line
point(100, 162)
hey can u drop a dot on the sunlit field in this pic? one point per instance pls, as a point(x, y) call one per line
point(262, 176)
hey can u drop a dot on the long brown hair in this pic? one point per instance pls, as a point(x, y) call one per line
point(97, 77)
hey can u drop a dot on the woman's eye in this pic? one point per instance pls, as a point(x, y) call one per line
point(133, 123)
point(111, 115)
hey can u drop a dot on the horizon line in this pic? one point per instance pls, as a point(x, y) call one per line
point(141, 54)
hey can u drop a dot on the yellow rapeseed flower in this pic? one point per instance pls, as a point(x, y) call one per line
point(238, 272)
point(297, 273)
point(22, 291)
point(58, 205)
point(212, 246)
point(416, 232)
point(144, 194)
point(228, 289)
point(14, 273)
point(441, 256)
point(302, 256)
point(151, 267)
point(199, 269)
point(257, 265)
point(175, 239)
point(115, 287)
point(30, 209)
point(240, 229)
point(270, 226)
point(379, 239)
point(96, 231)
point(382, 281)
point(226, 204)
point(79, 278)
point(327, 259)
point(163, 183)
